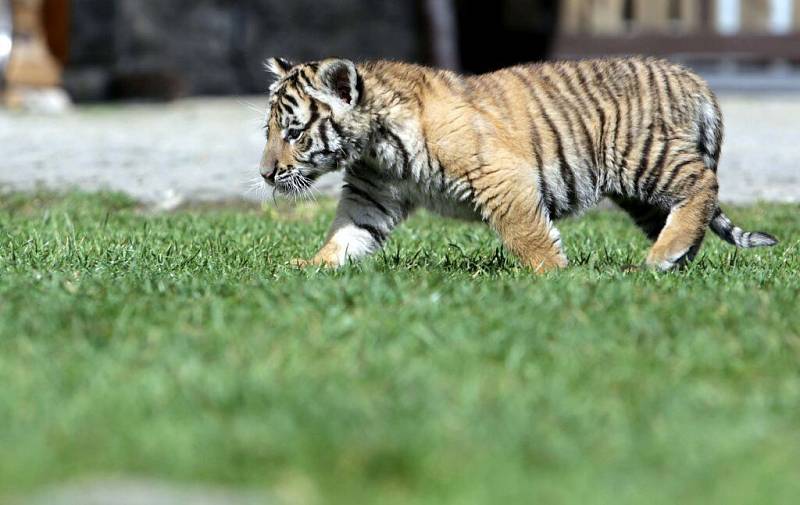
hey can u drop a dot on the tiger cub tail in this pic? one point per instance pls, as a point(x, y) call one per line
point(729, 232)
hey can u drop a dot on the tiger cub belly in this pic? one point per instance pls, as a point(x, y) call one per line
point(453, 209)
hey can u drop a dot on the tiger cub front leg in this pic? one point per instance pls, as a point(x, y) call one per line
point(362, 225)
point(523, 225)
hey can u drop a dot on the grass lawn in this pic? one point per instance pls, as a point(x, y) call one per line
point(182, 347)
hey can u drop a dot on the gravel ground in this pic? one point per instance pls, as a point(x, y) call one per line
point(208, 149)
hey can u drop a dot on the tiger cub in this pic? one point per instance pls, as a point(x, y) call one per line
point(517, 148)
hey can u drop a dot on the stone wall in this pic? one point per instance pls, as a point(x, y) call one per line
point(158, 48)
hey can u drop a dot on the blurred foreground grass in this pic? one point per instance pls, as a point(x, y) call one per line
point(182, 347)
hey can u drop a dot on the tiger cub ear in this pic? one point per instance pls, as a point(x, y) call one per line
point(340, 82)
point(278, 67)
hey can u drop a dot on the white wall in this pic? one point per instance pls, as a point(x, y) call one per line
point(729, 16)
point(781, 16)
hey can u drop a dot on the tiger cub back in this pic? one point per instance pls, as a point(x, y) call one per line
point(624, 127)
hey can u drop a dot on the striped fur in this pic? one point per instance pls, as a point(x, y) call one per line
point(732, 234)
point(517, 148)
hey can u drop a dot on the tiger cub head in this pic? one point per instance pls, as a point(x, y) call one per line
point(315, 122)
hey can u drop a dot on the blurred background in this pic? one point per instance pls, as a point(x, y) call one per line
point(133, 66)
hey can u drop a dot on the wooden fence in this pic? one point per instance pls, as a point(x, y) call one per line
point(733, 29)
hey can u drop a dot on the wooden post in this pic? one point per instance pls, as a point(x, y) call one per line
point(571, 16)
point(443, 33)
point(33, 75)
point(690, 15)
point(651, 15)
point(607, 17)
point(796, 16)
point(31, 63)
point(756, 16)
point(705, 15)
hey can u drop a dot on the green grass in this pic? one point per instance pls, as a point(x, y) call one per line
point(183, 347)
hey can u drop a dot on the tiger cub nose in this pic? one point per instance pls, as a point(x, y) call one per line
point(268, 173)
point(269, 177)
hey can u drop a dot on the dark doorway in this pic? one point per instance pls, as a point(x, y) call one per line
point(501, 33)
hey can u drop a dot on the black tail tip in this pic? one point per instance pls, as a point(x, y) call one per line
point(761, 239)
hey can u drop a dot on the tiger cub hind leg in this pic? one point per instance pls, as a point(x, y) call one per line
point(679, 241)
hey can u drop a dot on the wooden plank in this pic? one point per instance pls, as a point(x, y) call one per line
point(700, 44)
